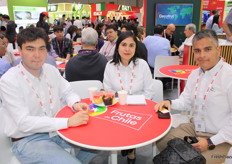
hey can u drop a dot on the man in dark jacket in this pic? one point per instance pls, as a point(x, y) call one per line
point(88, 64)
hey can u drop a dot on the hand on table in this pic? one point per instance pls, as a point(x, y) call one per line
point(81, 107)
point(160, 105)
point(201, 145)
point(78, 119)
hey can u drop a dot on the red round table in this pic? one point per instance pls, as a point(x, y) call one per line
point(120, 127)
point(178, 71)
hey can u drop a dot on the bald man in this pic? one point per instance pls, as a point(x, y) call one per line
point(168, 34)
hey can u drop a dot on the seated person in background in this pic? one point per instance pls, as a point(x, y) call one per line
point(61, 45)
point(215, 25)
point(109, 46)
point(88, 64)
point(4, 65)
point(36, 89)
point(141, 33)
point(9, 56)
point(141, 48)
point(156, 46)
point(73, 34)
point(189, 31)
point(227, 26)
point(128, 72)
point(168, 34)
point(208, 93)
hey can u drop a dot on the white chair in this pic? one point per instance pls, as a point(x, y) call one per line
point(162, 61)
point(81, 87)
point(6, 155)
point(158, 90)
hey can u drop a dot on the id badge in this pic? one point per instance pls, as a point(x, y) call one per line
point(199, 120)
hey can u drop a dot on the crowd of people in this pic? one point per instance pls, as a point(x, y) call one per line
point(118, 53)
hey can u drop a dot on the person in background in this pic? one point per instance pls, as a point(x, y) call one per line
point(109, 46)
point(210, 19)
point(189, 31)
point(37, 90)
point(68, 23)
point(227, 26)
point(42, 22)
point(9, 56)
point(156, 46)
point(141, 48)
point(78, 23)
point(88, 64)
point(141, 33)
point(208, 94)
point(61, 45)
point(134, 20)
point(21, 28)
point(97, 21)
point(72, 33)
point(62, 20)
point(128, 72)
point(168, 34)
point(10, 30)
point(4, 65)
point(215, 24)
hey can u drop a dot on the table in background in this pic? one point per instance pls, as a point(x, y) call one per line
point(120, 127)
point(179, 72)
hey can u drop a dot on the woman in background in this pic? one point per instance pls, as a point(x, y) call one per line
point(42, 22)
point(215, 24)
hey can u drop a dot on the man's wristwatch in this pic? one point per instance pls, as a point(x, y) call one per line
point(211, 146)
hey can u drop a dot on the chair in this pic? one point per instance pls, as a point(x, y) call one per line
point(81, 87)
point(6, 154)
point(158, 90)
point(162, 61)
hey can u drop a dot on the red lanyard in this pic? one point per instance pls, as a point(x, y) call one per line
point(131, 80)
point(36, 93)
point(209, 87)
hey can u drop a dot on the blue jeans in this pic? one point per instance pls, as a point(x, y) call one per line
point(41, 149)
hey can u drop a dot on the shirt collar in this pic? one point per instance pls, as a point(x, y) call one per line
point(29, 75)
point(131, 65)
point(215, 69)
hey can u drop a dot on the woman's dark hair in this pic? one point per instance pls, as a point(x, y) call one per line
point(123, 36)
point(71, 30)
point(31, 34)
point(41, 19)
point(215, 20)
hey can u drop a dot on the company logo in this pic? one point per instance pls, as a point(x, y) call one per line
point(129, 119)
point(96, 110)
point(168, 16)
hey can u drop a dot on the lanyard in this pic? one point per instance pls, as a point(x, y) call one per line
point(131, 79)
point(209, 87)
point(34, 90)
point(60, 49)
point(87, 51)
point(105, 53)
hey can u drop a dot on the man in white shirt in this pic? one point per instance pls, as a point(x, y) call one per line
point(78, 23)
point(210, 19)
point(109, 46)
point(31, 94)
point(189, 32)
point(208, 94)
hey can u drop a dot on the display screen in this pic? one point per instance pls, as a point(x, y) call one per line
point(176, 13)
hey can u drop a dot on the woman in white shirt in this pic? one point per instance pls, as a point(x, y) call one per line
point(128, 72)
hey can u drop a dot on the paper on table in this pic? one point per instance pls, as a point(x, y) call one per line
point(136, 100)
point(59, 62)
